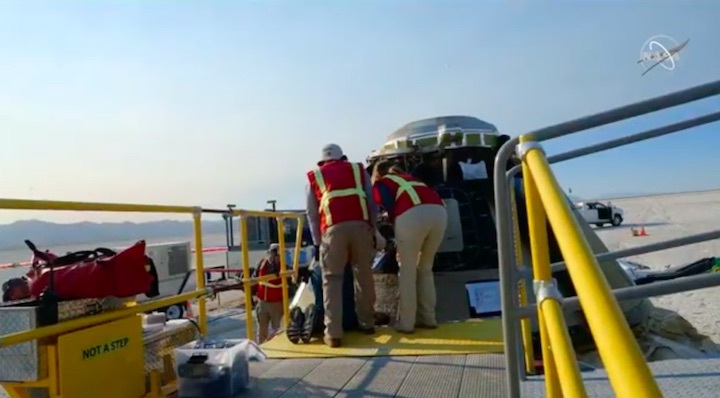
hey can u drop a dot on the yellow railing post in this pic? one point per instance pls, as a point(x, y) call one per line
point(298, 248)
point(247, 281)
point(541, 274)
point(200, 270)
point(280, 221)
point(525, 325)
point(627, 370)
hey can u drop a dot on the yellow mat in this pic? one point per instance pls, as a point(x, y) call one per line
point(470, 337)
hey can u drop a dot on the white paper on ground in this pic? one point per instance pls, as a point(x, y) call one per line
point(484, 296)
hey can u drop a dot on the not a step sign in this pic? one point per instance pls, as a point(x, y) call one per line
point(105, 348)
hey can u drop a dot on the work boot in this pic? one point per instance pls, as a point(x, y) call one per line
point(332, 343)
point(297, 321)
point(368, 331)
point(381, 319)
point(308, 324)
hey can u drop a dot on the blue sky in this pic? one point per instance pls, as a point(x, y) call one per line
point(215, 102)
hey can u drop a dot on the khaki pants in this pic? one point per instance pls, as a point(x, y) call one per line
point(418, 234)
point(350, 240)
point(269, 313)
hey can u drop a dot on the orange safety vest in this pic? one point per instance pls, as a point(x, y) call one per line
point(269, 290)
point(339, 188)
point(409, 192)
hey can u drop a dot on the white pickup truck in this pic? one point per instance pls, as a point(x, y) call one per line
point(600, 214)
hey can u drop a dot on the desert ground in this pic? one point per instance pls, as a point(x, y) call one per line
point(667, 217)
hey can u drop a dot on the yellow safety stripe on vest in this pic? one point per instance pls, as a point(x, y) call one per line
point(406, 186)
point(271, 285)
point(325, 196)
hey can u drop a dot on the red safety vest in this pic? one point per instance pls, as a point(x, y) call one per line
point(269, 290)
point(409, 192)
point(339, 188)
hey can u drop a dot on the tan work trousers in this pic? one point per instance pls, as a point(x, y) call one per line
point(418, 234)
point(343, 242)
point(269, 314)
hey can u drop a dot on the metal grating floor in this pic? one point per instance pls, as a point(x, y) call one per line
point(678, 378)
point(461, 376)
point(469, 376)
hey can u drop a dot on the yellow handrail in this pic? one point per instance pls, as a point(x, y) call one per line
point(563, 352)
point(558, 352)
point(199, 274)
point(283, 266)
point(92, 320)
point(23, 204)
point(627, 370)
point(247, 285)
point(541, 272)
point(298, 244)
point(199, 293)
point(283, 274)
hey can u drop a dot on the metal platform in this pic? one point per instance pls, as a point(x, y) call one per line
point(677, 378)
point(461, 376)
point(477, 375)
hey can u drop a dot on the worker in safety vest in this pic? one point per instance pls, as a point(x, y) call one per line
point(419, 218)
point(342, 220)
point(269, 293)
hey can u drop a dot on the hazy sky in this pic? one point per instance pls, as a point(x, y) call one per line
point(215, 102)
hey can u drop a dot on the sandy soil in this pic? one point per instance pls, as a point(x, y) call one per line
point(668, 217)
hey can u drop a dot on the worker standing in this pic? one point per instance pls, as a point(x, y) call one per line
point(420, 220)
point(342, 221)
point(269, 293)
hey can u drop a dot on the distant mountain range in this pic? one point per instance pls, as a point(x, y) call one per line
point(45, 233)
point(51, 234)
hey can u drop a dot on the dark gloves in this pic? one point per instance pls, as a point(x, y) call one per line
point(316, 253)
point(304, 274)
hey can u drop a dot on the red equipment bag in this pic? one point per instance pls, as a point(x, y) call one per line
point(95, 273)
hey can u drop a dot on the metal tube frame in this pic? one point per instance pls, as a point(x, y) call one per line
point(525, 326)
point(201, 291)
point(653, 247)
point(695, 282)
point(543, 284)
point(72, 325)
point(620, 352)
point(502, 187)
point(200, 270)
point(283, 266)
point(284, 273)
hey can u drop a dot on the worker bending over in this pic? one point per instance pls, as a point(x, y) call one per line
point(342, 220)
point(269, 293)
point(419, 218)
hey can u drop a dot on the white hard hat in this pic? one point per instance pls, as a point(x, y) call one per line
point(274, 247)
point(332, 152)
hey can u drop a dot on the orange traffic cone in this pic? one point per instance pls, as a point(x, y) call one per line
point(642, 231)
